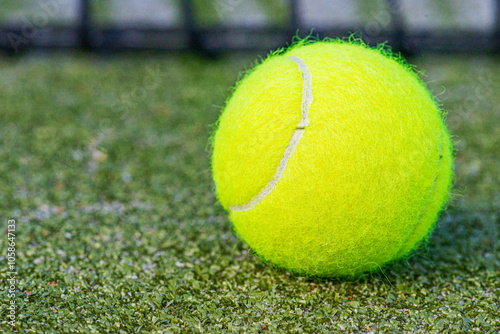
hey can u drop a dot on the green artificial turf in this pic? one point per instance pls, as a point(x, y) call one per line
point(104, 165)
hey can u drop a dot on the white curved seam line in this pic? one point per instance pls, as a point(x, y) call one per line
point(297, 134)
point(430, 193)
point(307, 95)
point(433, 183)
point(307, 98)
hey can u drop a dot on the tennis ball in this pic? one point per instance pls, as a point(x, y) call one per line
point(332, 158)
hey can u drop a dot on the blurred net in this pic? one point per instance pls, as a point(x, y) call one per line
point(410, 26)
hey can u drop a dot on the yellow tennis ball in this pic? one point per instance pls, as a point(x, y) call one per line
point(332, 159)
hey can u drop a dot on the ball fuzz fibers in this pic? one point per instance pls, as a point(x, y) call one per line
point(332, 158)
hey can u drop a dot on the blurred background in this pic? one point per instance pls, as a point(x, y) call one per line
point(106, 113)
point(214, 26)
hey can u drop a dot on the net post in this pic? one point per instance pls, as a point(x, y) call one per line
point(85, 24)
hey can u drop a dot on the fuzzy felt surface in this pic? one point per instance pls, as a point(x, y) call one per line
point(369, 176)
